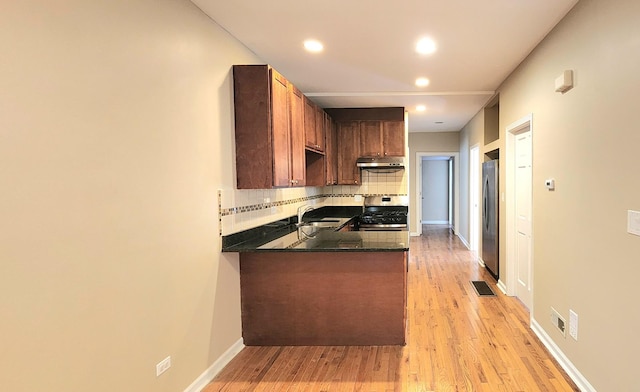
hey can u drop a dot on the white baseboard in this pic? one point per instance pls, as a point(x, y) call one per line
point(502, 287)
point(463, 240)
point(444, 222)
point(481, 262)
point(414, 234)
point(567, 365)
point(213, 370)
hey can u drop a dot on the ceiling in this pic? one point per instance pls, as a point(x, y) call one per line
point(369, 56)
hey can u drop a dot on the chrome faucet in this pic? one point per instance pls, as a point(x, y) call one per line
point(303, 210)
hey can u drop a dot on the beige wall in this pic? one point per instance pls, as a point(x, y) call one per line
point(471, 135)
point(426, 142)
point(587, 140)
point(115, 135)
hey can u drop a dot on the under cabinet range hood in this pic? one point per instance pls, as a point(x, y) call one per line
point(381, 164)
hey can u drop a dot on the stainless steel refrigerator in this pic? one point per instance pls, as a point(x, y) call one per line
point(490, 216)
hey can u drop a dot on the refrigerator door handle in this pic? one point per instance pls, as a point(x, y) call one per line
point(485, 205)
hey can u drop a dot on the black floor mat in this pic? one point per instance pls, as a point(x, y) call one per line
point(482, 288)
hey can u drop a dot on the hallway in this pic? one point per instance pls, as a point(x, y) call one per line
point(456, 341)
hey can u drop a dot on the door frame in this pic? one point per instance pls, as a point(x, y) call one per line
point(512, 130)
point(456, 189)
point(474, 205)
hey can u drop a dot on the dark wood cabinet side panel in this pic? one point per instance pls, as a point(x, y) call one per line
point(318, 298)
point(252, 114)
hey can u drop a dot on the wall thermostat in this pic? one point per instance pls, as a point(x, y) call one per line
point(550, 184)
point(564, 82)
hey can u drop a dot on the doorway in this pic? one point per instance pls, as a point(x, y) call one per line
point(519, 210)
point(436, 191)
point(416, 215)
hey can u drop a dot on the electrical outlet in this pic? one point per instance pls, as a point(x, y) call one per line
point(558, 321)
point(573, 324)
point(163, 366)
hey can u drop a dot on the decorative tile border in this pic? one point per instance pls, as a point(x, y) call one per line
point(220, 212)
point(263, 206)
point(365, 194)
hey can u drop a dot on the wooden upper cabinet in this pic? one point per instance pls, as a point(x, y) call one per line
point(381, 138)
point(371, 139)
point(348, 153)
point(330, 148)
point(393, 138)
point(280, 130)
point(267, 154)
point(321, 118)
point(296, 116)
point(313, 126)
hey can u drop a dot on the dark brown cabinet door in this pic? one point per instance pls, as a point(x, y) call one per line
point(348, 153)
point(280, 130)
point(313, 126)
point(296, 116)
point(371, 139)
point(310, 123)
point(393, 138)
point(330, 148)
point(320, 129)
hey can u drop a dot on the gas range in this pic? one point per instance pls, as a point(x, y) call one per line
point(385, 213)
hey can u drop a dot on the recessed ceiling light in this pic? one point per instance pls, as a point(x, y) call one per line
point(421, 108)
point(422, 82)
point(313, 45)
point(426, 46)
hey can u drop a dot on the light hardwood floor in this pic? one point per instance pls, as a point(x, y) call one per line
point(456, 341)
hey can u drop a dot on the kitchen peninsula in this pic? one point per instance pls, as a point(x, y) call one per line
point(327, 287)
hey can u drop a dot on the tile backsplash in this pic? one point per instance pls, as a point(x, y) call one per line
point(240, 210)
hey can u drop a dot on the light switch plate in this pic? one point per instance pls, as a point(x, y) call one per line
point(573, 324)
point(633, 222)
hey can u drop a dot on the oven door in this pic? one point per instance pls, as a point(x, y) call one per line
point(383, 227)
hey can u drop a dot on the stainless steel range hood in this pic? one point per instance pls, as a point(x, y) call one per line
point(381, 164)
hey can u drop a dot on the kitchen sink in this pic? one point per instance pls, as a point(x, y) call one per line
point(320, 223)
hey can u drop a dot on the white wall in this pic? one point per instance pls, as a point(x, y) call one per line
point(470, 135)
point(435, 191)
point(115, 135)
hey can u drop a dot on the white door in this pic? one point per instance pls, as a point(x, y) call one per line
point(474, 185)
point(523, 155)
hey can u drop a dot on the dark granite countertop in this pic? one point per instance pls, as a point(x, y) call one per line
point(285, 235)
